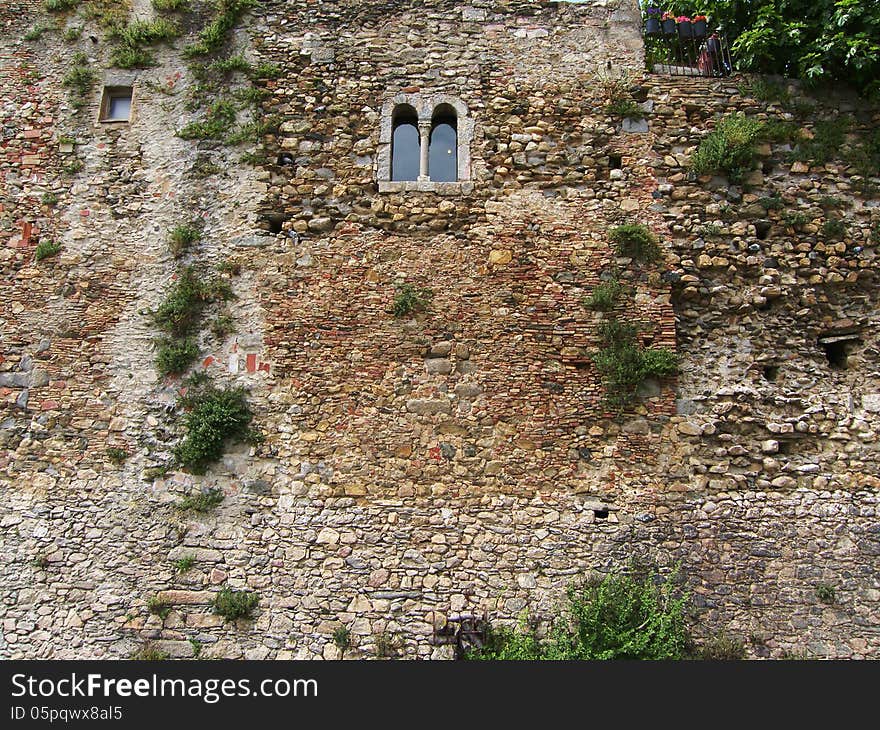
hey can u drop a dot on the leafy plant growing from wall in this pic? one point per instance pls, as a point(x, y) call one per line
point(46, 249)
point(232, 605)
point(227, 14)
point(730, 148)
point(409, 299)
point(604, 296)
point(80, 77)
point(635, 241)
point(624, 364)
point(182, 237)
point(202, 501)
point(214, 416)
point(618, 616)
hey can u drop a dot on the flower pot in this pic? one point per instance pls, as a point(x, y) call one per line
point(652, 26)
point(699, 28)
point(685, 30)
point(669, 27)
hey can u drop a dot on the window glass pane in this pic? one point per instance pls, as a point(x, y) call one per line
point(405, 152)
point(119, 107)
point(443, 153)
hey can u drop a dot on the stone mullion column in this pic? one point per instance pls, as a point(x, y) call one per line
point(424, 143)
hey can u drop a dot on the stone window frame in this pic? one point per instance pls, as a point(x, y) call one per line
point(425, 106)
point(115, 82)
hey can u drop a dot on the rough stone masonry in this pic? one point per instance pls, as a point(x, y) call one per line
point(456, 460)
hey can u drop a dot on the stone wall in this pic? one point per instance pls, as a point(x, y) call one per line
point(460, 459)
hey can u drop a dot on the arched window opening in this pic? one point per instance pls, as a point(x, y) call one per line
point(404, 143)
point(443, 150)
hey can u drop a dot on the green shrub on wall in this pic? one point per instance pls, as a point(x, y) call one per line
point(615, 617)
point(215, 416)
point(604, 296)
point(636, 241)
point(730, 148)
point(624, 364)
point(235, 604)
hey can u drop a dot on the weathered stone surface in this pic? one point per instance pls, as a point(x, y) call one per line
point(430, 464)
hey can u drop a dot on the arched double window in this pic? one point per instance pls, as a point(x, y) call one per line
point(424, 150)
point(424, 141)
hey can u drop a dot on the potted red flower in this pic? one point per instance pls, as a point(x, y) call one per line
point(699, 23)
point(683, 24)
point(668, 23)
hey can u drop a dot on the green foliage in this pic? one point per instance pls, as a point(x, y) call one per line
point(387, 644)
point(180, 310)
point(267, 71)
point(764, 90)
point(616, 617)
point(171, 6)
point(830, 201)
point(795, 218)
point(215, 416)
point(604, 296)
point(624, 364)
point(773, 202)
point(183, 564)
point(233, 268)
point(216, 124)
point(60, 6)
point(128, 57)
point(213, 36)
point(49, 199)
point(730, 148)
point(46, 249)
point(182, 237)
point(826, 593)
point(635, 241)
point(721, 648)
point(202, 501)
point(35, 32)
point(73, 33)
point(820, 41)
point(149, 652)
point(229, 65)
point(235, 604)
point(196, 647)
point(625, 108)
point(410, 299)
point(130, 40)
point(117, 455)
point(779, 131)
point(79, 77)
point(73, 167)
point(834, 229)
point(158, 607)
point(222, 325)
point(342, 639)
point(175, 355)
point(828, 139)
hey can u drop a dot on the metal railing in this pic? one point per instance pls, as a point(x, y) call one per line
point(680, 54)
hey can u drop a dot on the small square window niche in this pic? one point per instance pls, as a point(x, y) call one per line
point(116, 104)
